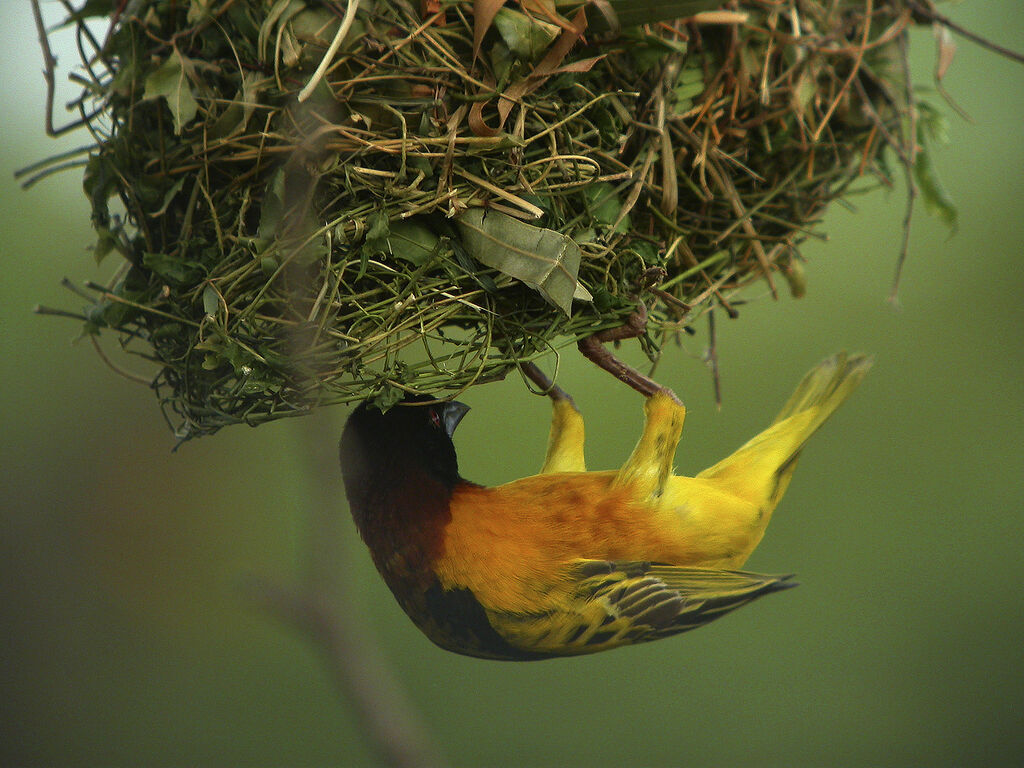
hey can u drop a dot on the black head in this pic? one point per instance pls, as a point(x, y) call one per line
point(412, 438)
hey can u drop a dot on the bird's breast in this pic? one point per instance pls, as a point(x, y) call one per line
point(513, 545)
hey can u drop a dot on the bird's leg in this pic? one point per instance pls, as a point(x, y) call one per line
point(649, 466)
point(565, 441)
point(594, 350)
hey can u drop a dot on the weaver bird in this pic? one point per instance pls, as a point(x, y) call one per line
point(569, 561)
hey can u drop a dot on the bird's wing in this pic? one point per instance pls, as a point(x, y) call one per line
point(622, 603)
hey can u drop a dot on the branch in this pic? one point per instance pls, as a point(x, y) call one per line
point(323, 609)
point(945, 21)
point(357, 668)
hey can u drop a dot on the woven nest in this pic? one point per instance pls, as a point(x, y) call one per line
point(430, 211)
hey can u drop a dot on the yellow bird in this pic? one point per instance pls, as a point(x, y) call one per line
point(570, 561)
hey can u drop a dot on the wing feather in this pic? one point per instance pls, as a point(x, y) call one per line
point(619, 603)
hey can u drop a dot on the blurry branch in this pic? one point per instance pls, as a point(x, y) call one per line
point(933, 15)
point(323, 608)
point(910, 151)
point(49, 69)
point(358, 670)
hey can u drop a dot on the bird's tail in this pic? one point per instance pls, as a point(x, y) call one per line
point(761, 469)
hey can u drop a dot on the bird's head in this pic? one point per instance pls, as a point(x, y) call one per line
point(413, 438)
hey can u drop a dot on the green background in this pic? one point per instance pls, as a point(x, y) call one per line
point(128, 640)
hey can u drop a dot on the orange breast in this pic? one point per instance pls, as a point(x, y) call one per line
point(510, 544)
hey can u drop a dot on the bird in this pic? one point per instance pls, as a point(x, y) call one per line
point(571, 561)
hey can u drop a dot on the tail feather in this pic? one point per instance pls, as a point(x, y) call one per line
point(760, 470)
point(826, 387)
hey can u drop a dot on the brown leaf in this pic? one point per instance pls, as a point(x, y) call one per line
point(484, 12)
point(546, 67)
point(946, 48)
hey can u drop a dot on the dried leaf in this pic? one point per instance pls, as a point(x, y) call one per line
point(484, 12)
point(545, 260)
point(946, 49)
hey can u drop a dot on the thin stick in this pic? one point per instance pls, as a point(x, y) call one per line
point(116, 368)
point(713, 358)
point(594, 350)
point(945, 21)
point(358, 670)
point(547, 386)
point(49, 66)
point(908, 169)
point(858, 58)
point(328, 59)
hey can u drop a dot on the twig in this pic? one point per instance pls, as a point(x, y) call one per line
point(857, 59)
point(116, 368)
point(547, 386)
point(594, 350)
point(908, 167)
point(358, 670)
point(712, 359)
point(49, 67)
point(322, 605)
point(945, 21)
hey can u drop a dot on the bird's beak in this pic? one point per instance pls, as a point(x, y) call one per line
point(453, 413)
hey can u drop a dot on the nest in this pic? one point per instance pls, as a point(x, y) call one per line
point(450, 195)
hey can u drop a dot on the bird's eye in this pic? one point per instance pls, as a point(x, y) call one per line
point(435, 418)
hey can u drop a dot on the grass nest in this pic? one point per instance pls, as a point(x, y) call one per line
point(320, 202)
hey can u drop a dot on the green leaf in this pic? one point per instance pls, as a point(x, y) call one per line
point(379, 227)
point(272, 212)
point(171, 83)
point(314, 28)
point(90, 9)
point(389, 397)
point(545, 260)
point(169, 195)
point(198, 10)
point(931, 130)
point(602, 299)
point(272, 29)
point(527, 37)
point(648, 50)
point(287, 229)
point(211, 300)
point(605, 206)
point(106, 242)
point(100, 184)
point(172, 268)
point(937, 201)
point(412, 241)
point(235, 117)
point(690, 83)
